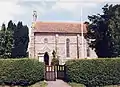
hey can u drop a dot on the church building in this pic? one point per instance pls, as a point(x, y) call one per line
point(65, 38)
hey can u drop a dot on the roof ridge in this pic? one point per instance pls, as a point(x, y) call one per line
point(61, 22)
point(61, 27)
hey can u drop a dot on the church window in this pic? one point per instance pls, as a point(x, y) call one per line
point(68, 47)
point(45, 40)
point(88, 52)
point(88, 48)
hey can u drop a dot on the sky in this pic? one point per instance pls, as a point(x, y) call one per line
point(50, 10)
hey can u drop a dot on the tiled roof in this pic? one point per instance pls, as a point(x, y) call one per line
point(59, 27)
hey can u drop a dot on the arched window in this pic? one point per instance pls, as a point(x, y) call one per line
point(88, 48)
point(88, 52)
point(45, 40)
point(67, 47)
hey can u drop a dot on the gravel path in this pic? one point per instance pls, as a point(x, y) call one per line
point(57, 83)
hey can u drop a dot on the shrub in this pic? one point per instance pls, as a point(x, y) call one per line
point(94, 72)
point(55, 61)
point(21, 71)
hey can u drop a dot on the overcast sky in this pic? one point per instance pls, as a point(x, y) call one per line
point(50, 10)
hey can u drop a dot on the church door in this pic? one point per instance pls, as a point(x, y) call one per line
point(46, 58)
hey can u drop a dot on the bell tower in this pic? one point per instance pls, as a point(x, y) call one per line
point(32, 50)
point(34, 19)
point(34, 16)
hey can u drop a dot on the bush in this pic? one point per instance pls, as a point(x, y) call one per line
point(55, 61)
point(20, 71)
point(94, 72)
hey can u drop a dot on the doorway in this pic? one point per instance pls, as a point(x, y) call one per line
point(46, 58)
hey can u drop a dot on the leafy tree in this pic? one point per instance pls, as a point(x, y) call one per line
point(105, 30)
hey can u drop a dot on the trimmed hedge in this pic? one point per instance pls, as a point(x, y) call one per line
point(94, 72)
point(20, 71)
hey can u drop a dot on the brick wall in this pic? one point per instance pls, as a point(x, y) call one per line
point(58, 41)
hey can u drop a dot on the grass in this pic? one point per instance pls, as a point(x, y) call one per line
point(112, 86)
point(39, 84)
point(76, 85)
point(81, 85)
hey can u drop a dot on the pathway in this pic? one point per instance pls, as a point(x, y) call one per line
point(57, 83)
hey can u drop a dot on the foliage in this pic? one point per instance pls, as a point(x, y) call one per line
point(20, 71)
point(38, 84)
point(81, 85)
point(6, 42)
point(55, 61)
point(21, 37)
point(13, 40)
point(105, 30)
point(94, 72)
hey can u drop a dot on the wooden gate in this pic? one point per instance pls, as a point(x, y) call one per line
point(50, 74)
point(61, 72)
point(54, 72)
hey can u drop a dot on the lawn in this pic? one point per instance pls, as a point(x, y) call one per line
point(80, 85)
point(76, 85)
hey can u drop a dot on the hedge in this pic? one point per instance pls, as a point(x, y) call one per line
point(22, 72)
point(94, 72)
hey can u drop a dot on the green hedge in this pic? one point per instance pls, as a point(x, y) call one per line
point(94, 72)
point(20, 71)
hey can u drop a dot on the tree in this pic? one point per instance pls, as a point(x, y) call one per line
point(6, 41)
point(2, 41)
point(21, 39)
point(105, 30)
point(13, 40)
point(10, 40)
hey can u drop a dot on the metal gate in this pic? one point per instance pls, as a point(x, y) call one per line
point(54, 72)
